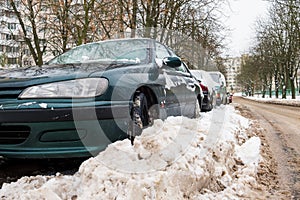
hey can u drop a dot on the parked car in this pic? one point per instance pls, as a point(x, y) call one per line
point(92, 95)
point(230, 97)
point(220, 87)
point(207, 87)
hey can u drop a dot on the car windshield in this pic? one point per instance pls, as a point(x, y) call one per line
point(215, 77)
point(124, 51)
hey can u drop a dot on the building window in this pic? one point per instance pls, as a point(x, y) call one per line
point(10, 37)
point(27, 63)
point(29, 29)
point(12, 61)
point(12, 49)
point(12, 26)
point(10, 14)
point(26, 52)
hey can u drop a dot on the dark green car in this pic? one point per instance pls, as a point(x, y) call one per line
point(92, 95)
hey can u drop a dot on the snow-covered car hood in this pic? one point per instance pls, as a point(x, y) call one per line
point(50, 73)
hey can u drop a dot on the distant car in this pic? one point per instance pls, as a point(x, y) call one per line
point(90, 96)
point(207, 88)
point(220, 87)
point(230, 97)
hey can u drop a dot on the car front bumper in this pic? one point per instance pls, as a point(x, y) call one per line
point(63, 132)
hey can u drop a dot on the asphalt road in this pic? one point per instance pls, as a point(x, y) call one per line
point(282, 130)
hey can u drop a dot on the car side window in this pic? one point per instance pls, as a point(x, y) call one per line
point(182, 68)
point(161, 51)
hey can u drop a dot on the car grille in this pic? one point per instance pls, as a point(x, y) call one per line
point(10, 93)
point(13, 134)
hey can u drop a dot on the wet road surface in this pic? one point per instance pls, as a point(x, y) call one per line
point(282, 125)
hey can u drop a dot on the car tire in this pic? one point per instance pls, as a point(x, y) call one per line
point(140, 116)
point(211, 106)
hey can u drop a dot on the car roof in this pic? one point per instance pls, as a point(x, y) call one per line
point(205, 77)
point(221, 78)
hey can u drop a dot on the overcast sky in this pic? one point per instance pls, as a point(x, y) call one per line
point(242, 15)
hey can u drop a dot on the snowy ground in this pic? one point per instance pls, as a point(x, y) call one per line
point(211, 157)
point(288, 101)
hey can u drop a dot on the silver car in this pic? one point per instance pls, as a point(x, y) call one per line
point(219, 86)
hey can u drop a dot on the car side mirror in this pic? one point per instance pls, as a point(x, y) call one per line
point(172, 62)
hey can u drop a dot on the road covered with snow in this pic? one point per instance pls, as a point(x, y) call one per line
point(281, 125)
point(216, 156)
point(288, 101)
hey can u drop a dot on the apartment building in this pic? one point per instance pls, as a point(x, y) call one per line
point(13, 51)
point(233, 68)
point(9, 31)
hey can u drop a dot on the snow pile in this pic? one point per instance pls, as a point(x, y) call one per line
point(179, 158)
point(288, 101)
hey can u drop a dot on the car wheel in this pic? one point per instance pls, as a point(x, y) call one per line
point(140, 116)
point(210, 105)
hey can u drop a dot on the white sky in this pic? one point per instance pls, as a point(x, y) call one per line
point(242, 15)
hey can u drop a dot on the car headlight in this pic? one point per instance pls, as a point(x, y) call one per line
point(78, 88)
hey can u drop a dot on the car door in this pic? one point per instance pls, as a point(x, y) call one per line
point(174, 84)
point(190, 90)
point(180, 86)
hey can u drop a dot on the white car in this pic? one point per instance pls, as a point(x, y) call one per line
point(207, 86)
point(220, 87)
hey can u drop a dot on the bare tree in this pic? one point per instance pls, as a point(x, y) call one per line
point(32, 27)
point(3, 59)
point(107, 19)
point(248, 77)
point(59, 22)
point(278, 47)
point(182, 24)
point(190, 28)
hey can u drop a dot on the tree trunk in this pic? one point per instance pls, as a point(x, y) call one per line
point(270, 91)
point(270, 86)
point(293, 88)
point(133, 20)
point(284, 91)
point(276, 84)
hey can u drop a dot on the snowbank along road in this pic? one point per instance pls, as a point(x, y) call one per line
point(221, 155)
point(282, 131)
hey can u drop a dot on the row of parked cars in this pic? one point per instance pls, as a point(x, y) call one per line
point(213, 85)
point(95, 94)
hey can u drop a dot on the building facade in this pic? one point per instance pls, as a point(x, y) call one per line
point(9, 31)
point(13, 50)
point(233, 68)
